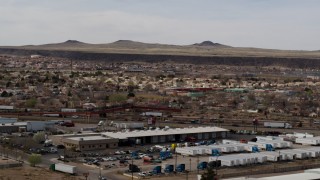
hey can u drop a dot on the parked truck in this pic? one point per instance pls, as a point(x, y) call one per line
point(64, 168)
point(168, 168)
point(156, 170)
point(277, 125)
point(181, 168)
point(202, 165)
point(134, 168)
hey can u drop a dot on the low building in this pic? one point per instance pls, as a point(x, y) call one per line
point(28, 126)
point(168, 135)
point(105, 140)
point(86, 142)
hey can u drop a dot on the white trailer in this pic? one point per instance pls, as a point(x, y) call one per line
point(7, 120)
point(227, 141)
point(3, 107)
point(302, 135)
point(249, 147)
point(228, 161)
point(295, 154)
point(305, 154)
point(186, 151)
point(273, 156)
point(68, 110)
point(261, 145)
point(51, 115)
point(240, 159)
point(277, 125)
point(155, 114)
point(200, 151)
point(226, 148)
point(39, 125)
point(308, 141)
point(208, 149)
point(66, 168)
point(312, 153)
point(278, 143)
point(260, 158)
point(315, 149)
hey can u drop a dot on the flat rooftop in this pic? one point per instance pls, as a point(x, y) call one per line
point(162, 132)
point(89, 138)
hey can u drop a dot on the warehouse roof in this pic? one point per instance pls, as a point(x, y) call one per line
point(162, 132)
point(88, 138)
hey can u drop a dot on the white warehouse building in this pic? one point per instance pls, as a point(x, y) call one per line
point(168, 134)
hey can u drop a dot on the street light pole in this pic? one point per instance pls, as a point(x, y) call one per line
point(190, 164)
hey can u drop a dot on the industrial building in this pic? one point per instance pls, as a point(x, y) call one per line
point(100, 141)
point(168, 134)
point(86, 142)
point(4, 120)
point(28, 126)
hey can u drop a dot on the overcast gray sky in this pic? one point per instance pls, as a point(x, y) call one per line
point(274, 24)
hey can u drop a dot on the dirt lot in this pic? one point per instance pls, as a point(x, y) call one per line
point(33, 173)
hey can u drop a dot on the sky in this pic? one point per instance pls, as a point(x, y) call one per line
point(272, 24)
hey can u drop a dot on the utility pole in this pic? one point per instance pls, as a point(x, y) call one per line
point(176, 160)
point(190, 164)
point(187, 172)
point(197, 163)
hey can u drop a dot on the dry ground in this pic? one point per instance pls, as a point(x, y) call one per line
point(33, 173)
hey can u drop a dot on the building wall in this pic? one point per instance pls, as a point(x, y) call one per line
point(9, 129)
point(90, 145)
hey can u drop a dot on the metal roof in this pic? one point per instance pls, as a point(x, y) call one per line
point(163, 132)
point(88, 138)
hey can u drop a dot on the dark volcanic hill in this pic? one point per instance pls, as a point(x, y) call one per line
point(205, 52)
point(210, 44)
